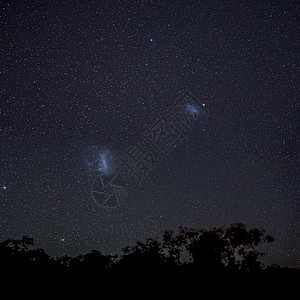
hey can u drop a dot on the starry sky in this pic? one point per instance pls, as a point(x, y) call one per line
point(202, 94)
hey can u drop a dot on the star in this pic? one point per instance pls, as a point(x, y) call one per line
point(71, 113)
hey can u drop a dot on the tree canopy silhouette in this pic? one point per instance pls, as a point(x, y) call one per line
point(188, 252)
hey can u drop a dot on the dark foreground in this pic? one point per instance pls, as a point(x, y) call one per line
point(220, 258)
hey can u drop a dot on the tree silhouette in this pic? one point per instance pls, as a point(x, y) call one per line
point(232, 250)
point(18, 259)
point(92, 264)
point(143, 259)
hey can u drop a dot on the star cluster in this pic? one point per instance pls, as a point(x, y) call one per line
point(81, 81)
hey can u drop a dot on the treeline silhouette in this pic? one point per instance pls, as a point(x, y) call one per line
point(188, 253)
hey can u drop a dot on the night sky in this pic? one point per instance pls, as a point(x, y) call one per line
point(122, 119)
